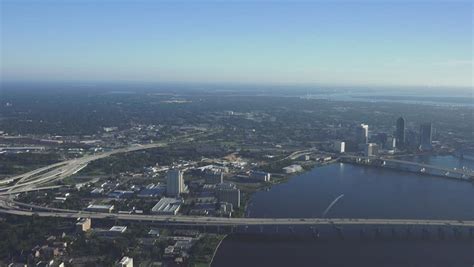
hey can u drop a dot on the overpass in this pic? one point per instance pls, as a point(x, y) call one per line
point(37, 179)
point(221, 221)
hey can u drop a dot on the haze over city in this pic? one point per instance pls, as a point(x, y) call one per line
point(242, 133)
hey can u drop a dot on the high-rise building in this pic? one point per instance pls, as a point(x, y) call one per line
point(371, 149)
point(174, 183)
point(426, 136)
point(400, 133)
point(390, 143)
point(229, 193)
point(340, 147)
point(362, 133)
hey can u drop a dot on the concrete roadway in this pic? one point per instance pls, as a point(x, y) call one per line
point(220, 221)
point(31, 180)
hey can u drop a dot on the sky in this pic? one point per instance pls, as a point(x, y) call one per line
point(427, 43)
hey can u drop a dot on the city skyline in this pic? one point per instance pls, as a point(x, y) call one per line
point(422, 44)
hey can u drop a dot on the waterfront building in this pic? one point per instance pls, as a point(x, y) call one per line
point(371, 149)
point(174, 183)
point(426, 136)
point(362, 133)
point(400, 133)
point(293, 168)
point(340, 147)
point(228, 192)
point(260, 176)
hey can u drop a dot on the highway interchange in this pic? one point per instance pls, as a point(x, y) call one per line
point(39, 178)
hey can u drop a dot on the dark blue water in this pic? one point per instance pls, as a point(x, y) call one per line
point(367, 193)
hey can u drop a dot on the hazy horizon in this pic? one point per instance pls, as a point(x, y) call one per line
point(426, 44)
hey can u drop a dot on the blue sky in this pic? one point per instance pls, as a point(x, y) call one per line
point(361, 43)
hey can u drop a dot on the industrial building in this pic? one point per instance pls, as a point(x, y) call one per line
point(293, 168)
point(100, 208)
point(167, 206)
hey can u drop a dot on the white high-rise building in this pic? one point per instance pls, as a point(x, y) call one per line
point(340, 147)
point(174, 183)
point(362, 134)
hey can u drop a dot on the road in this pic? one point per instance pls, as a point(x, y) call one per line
point(220, 221)
point(31, 181)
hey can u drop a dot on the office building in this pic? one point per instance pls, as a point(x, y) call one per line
point(400, 133)
point(362, 134)
point(340, 147)
point(228, 192)
point(371, 149)
point(426, 136)
point(174, 183)
point(390, 143)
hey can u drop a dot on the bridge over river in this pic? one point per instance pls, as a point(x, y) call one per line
point(410, 166)
point(8, 208)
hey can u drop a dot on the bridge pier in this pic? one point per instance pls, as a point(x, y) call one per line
point(362, 233)
point(408, 233)
point(457, 233)
point(425, 234)
point(441, 234)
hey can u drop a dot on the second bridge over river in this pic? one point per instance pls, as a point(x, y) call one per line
point(409, 166)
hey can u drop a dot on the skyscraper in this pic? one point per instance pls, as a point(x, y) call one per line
point(426, 134)
point(400, 133)
point(174, 183)
point(362, 133)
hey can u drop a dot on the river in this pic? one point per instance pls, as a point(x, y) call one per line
point(349, 191)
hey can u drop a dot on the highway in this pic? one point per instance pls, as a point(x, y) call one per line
point(221, 221)
point(39, 178)
point(31, 181)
